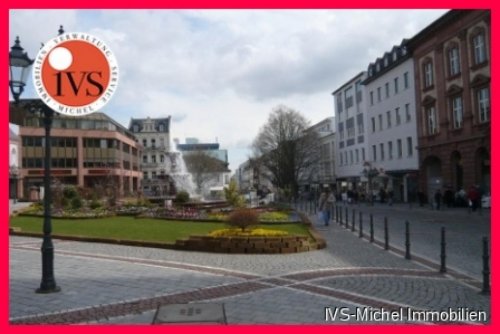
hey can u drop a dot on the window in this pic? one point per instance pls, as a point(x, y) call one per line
point(386, 90)
point(400, 148)
point(382, 153)
point(428, 75)
point(135, 128)
point(380, 122)
point(359, 92)
point(339, 103)
point(483, 101)
point(162, 158)
point(363, 154)
point(145, 142)
point(431, 120)
point(374, 151)
point(396, 85)
point(153, 143)
point(406, 80)
point(144, 158)
point(389, 149)
point(457, 112)
point(153, 175)
point(341, 160)
point(161, 127)
point(389, 121)
point(153, 158)
point(454, 61)
point(479, 48)
point(351, 156)
point(379, 94)
point(409, 146)
point(398, 116)
point(357, 156)
point(162, 142)
point(371, 98)
point(361, 125)
point(373, 124)
point(348, 98)
point(407, 112)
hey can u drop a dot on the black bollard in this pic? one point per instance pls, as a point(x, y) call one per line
point(486, 268)
point(371, 228)
point(360, 224)
point(386, 234)
point(443, 250)
point(407, 243)
point(353, 227)
point(346, 218)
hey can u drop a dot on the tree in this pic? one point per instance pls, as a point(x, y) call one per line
point(232, 195)
point(285, 147)
point(203, 167)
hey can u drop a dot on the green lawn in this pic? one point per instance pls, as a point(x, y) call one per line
point(129, 228)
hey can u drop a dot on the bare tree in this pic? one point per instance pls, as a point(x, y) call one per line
point(286, 148)
point(203, 167)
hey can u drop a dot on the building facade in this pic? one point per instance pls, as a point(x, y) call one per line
point(322, 172)
point(392, 125)
point(87, 151)
point(154, 136)
point(208, 164)
point(351, 133)
point(452, 77)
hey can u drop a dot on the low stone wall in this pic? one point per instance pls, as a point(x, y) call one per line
point(248, 245)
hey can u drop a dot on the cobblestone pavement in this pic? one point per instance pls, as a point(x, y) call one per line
point(112, 284)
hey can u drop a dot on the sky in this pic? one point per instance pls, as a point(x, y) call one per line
point(220, 73)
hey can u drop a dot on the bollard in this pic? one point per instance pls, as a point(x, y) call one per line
point(346, 218)
point(443, 250)
point(407, 243)
point(486, 268)
point(371, 228)
point(386, 234)
point(353, 227)
point(360, 224)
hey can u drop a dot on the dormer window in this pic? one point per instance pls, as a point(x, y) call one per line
point(394, 56)
point(161, 127)
point(378, 67)
point(135, 128)
point(386, 61)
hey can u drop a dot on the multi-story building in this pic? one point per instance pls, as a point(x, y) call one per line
point(351, 132)
point(215, 175)
point(392, 125)
point(154, 135)
point(452, 71)
point(87, 151)
point(322, 172)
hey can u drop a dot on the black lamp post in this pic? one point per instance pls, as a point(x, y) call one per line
point(20, 64)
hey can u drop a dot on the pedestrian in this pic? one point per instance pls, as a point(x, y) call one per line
point(474, 198)
point(324, 212)
point(437, 199)
point(390, 195)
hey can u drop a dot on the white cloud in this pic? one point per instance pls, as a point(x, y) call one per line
point(220, 72)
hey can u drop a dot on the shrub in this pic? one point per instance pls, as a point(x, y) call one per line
point(258, 232)
point(95, 204)
point(76, 203)
point(232, 195)
point(182, 197)
point(70, 192)
point(243, 218)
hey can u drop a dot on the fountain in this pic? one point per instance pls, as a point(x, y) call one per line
point(178, 172)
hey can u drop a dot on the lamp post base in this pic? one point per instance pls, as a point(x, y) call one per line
point(48, 289)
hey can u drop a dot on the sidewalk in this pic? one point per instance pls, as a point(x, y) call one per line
point(120, 284)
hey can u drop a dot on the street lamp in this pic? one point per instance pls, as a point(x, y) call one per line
point(20, 64)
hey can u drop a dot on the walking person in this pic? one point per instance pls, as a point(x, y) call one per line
point(437, 199)
point(323, 206)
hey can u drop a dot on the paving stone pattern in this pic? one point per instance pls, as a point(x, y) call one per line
point(115, 284)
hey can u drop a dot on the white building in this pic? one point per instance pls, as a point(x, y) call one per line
point(154, 135)
point(14, 164)
point(351, 133)
point(322, 173)
point(391, 127)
